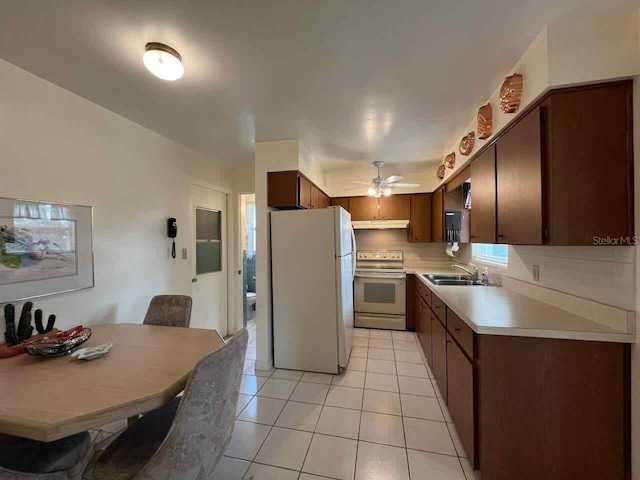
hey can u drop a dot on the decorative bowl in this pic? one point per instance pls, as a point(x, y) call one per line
point(59, 345)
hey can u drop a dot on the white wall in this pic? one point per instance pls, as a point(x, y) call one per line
point(56, 146)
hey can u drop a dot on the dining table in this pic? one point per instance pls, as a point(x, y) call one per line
point(51, 398)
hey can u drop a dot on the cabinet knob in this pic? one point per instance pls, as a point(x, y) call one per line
point(456, 329)
point(500, 236)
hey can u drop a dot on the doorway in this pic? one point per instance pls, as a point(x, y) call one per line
point(248, 252)
point(210, 282)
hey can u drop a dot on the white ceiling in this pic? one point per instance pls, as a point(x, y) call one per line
point(354, 80)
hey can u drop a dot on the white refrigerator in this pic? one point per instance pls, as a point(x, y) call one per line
point(312, 270)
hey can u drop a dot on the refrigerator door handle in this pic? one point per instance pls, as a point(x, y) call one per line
point(353, 253)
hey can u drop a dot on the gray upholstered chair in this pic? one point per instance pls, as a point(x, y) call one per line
point(185, 439)
point(169, 311)
point(24, 459)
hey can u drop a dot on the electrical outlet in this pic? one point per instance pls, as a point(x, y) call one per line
point(536, 273)
point(184, 254)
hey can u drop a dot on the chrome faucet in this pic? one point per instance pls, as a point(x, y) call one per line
point(473, 273)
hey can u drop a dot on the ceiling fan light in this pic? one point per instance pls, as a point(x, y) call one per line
point(371, 192)
point(163, 61)
point(387, 192)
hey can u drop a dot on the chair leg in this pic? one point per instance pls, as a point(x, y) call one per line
point(132, 420)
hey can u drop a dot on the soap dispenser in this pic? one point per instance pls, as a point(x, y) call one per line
point(485, 276)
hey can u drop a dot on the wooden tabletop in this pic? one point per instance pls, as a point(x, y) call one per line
point(50, 398)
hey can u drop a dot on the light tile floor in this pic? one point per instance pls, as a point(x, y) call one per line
point(381, 419)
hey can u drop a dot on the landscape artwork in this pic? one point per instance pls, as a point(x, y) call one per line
point(36, 249)
point(45, 248)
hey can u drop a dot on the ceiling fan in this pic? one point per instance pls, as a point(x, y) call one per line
point(383, 186)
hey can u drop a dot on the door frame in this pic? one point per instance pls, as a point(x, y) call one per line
point(230, 248)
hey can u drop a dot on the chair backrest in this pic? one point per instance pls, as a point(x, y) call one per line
point(169, 311)
point(203, 424)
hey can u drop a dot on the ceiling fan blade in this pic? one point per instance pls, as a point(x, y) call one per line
point(392, 179)
point(355, 188)
point(360, 183)
point(404, 185)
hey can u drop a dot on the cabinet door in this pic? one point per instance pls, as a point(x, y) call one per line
point(483, 197)
point(437, 216)
point(424, 327)
point(460, 396)
point(412, 314)
point(395, 207)
point(305, 193)
point(364, 208)
point(439, 353)
point(519, 182)
point(315, 197)
point(325, 201)
point(420, 220)
point(282, 189)
point(341, 202)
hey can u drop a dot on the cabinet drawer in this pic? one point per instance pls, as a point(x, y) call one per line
point(461, 332)
point(424, 292)
point(439, 308)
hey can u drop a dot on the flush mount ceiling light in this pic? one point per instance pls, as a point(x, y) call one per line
point(163, 61)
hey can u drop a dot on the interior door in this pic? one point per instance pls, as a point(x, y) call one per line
point(483, 197)
point(519, 182)
point(209, 284)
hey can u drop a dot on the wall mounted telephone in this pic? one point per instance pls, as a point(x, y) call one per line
point(172, 232)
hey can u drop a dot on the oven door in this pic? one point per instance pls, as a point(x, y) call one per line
point(380, 293)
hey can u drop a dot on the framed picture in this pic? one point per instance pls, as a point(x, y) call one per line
point(45, 248)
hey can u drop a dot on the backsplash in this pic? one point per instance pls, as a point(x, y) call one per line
point(396, 239)
point(601, 274)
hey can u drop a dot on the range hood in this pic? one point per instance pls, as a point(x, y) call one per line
point(380, 224)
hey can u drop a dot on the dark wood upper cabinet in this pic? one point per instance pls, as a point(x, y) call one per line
point(460, 397)
point(282, 189)
point(519, 182)
point(395, 207)
point(420, 220)
point(305, 193)
point(437, 216)
point(364, 208)
point(483, 197)
point(343, 202)
point(325, 200)
point(589, 169)
point(291, 190)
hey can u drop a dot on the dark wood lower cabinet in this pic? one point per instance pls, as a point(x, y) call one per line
point(411, 303)
point(424, 328)
point(460, 397)
point(553, 409)
point(439, 354)
point(532, 408)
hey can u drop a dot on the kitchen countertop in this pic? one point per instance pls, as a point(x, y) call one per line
point(500, 311)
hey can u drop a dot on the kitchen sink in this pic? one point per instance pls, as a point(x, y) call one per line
point(453, 279)
point(444, 276)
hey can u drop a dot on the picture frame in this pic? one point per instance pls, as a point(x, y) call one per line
point(46, 248)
